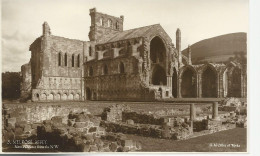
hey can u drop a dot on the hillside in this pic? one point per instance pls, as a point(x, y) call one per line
point(218, 49)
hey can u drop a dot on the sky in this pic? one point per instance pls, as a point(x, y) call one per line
point(22, 20)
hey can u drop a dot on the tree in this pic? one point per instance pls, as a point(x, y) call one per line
point(11, 85)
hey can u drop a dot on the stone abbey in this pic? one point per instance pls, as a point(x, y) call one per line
point(140, 64)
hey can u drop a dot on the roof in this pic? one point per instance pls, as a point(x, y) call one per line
point(128, 34)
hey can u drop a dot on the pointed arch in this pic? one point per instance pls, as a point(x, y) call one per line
point(232, 80)
point(209, 81)
point(188, 86)
point(157, 50)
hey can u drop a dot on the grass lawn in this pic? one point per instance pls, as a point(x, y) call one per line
point(199, 144)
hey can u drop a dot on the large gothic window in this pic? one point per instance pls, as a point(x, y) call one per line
point(157, 50)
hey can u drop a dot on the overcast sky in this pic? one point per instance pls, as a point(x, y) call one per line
point(198, 19)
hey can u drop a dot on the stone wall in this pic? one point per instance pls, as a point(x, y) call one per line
point(63, 128)
point(26, 85)
point(57, 72)
point(32, 113)
point(103, 24)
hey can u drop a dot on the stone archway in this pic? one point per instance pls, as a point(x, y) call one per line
point(71, 96)
point(44, 97)
point(64, 97)
point(235, 85)
point(50, 97)
point(58, 97)
point(209, 83)
point(159, 76)
point(188, 84)
point(174, 83)
point(76, 97)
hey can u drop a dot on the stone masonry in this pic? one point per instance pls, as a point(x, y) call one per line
point(140, 64)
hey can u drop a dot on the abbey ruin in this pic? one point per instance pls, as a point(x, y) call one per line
point(140, 64)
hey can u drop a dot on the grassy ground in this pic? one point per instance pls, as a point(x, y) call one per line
point(235, 136)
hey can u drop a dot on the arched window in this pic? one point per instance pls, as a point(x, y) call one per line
point(72, 60)
point(117, 25)
point(90, 51)
point(121, 68)
point(78, 60)
point(90, 71)
point(105, 70)
point(59, 59)
point(109, 23)
point(65, 59)
point(101, 21)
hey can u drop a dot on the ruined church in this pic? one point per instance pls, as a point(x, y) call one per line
point(140, 64)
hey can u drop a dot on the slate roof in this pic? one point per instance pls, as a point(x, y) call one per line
point(128, 34)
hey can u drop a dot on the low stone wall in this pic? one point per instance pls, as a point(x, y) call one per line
point(167, 132)
point(33, 113)
point(72, 132)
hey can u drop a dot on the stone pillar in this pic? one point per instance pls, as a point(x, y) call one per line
point(169, 84)
point(215, 110)
point(220, 85)
point(192, 112)
point(199, 85)
point(192, 116)
point(218, 88)
point(179, 88)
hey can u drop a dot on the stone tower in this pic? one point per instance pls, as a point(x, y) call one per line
point(103, 24)
point(46, 29)
point(178, 46)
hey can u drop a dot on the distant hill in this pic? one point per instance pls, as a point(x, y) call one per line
point(218, 49)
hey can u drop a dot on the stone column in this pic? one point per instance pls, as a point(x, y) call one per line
point(192, 116)
point(220, 85)
point(179, 88)
point(199, 85)
point(192, 112)
point(215, 110)
point(169, 84)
